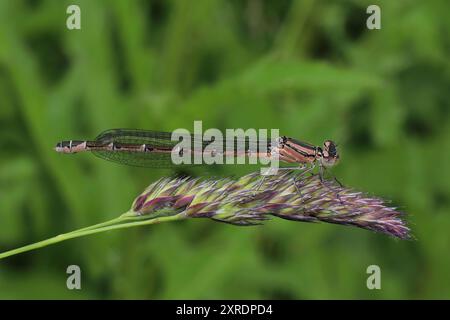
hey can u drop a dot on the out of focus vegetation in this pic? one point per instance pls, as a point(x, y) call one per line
point(310, 68)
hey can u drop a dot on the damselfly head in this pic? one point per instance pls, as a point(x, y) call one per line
point(329, 155)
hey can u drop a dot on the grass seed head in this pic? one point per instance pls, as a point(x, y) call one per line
point(288, 195)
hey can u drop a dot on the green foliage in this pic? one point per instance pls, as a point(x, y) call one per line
point(309, 68)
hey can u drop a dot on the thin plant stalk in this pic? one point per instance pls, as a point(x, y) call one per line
point(114, 224)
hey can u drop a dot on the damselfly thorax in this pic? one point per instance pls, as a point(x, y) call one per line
point(153, 149)
point(294, 151)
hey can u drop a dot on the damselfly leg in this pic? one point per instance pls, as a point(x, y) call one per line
point(296, 178)
point(323, 181)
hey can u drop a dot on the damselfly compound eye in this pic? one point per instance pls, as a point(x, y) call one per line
point(330, 155)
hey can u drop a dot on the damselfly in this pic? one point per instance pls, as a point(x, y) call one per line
point(154, 149)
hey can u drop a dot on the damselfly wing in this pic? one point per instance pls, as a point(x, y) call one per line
point(146, 148)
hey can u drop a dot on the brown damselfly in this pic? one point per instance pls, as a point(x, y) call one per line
point(154, 149)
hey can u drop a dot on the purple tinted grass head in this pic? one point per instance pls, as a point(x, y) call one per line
point(240, 202)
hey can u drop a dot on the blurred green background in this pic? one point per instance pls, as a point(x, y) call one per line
point(310, 68)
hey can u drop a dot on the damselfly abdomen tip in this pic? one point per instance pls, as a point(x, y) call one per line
point(71, 146)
